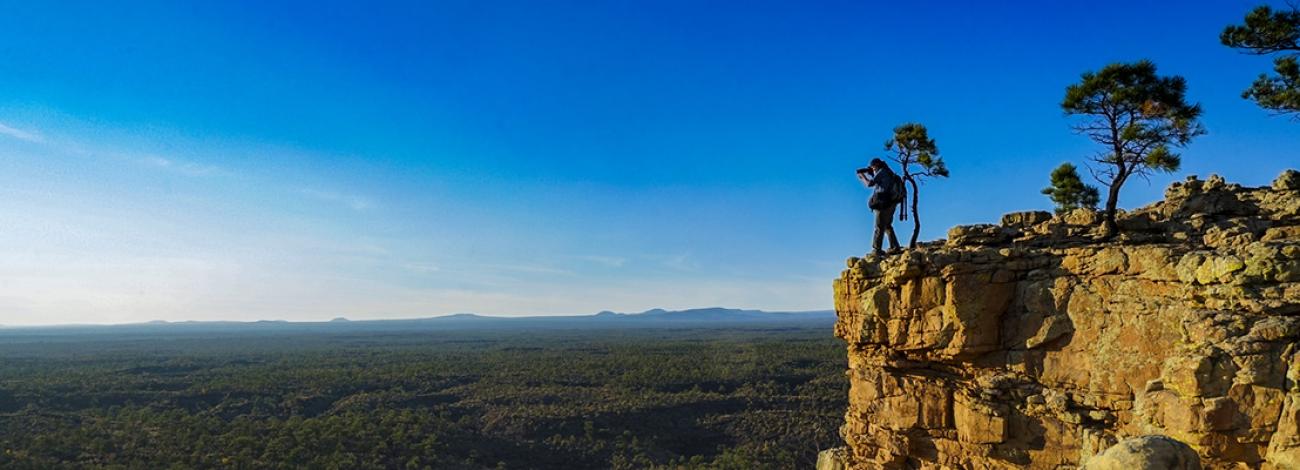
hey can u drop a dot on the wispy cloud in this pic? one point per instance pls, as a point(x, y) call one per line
point(187, 168)
point(422, 268)
point(180, 166)
point(29, 136)
point(356, 203)
point(681, 263)
point(528, 269)
point(609, 261)
point(533, 269)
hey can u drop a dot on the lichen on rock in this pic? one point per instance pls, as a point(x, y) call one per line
point(1033, 343)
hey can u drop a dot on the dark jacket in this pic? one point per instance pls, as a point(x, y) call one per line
point(885, 188)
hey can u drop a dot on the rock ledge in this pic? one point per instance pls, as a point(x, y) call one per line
point(1031, 344)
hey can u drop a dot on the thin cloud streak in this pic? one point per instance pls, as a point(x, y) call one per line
point(356, 203)
point(681, 263)
point(532, 269)
point(20, 134)
point(181, 166)
point(422, 268)
point(608, 261)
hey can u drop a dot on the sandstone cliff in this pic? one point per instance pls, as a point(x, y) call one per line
point(1031, 344)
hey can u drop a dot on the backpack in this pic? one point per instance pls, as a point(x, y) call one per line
point(897, 191)
point(889, 192)
point(892, 191)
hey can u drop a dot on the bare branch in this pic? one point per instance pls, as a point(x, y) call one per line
point(1098, 174)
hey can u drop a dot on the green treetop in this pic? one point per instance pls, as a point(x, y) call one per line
point(1271, 32)
point(1138, 117)
point(918, 157)
point(1069, 192)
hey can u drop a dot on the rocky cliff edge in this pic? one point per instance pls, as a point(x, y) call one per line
point(1034, 344)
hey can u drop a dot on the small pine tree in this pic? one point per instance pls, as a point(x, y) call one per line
point(918, 157)
point(1069, 192)
point(1139, 117)
point(1269, 32)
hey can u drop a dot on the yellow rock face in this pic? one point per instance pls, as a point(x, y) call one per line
point(1033, 344)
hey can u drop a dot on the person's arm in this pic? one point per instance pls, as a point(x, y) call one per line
point(866, 180)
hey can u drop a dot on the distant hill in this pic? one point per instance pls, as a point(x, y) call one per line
point(713, 316)
point(719, 314)
point(695, 318)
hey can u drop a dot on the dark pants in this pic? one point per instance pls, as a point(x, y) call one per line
point(884, 224)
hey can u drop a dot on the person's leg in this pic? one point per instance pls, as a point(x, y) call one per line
point(893, 239)
point(882, 224)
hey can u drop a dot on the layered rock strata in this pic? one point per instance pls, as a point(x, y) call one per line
point(1035, 344)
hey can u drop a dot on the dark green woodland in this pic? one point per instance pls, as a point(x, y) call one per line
point(691, 397)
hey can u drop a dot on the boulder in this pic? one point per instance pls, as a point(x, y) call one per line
point(976, 235)
point(1146, 453)
point(1288, 180)
point(836, 458)
point(1082, 216)
point(1025, 219)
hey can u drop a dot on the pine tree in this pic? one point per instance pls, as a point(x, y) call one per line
point(1268, 32)
point(918, 157)
point(1139, 117)
point(1069, 192)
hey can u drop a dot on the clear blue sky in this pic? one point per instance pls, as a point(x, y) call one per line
point(305, 160)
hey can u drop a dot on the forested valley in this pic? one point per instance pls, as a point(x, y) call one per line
point(466, 399)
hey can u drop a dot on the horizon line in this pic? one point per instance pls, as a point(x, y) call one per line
point(342, 318)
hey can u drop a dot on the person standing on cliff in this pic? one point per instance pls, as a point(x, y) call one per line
point(888, 193)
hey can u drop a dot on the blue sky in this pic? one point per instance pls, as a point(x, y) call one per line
point(306, 160)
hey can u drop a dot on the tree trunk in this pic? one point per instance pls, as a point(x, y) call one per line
point(916, 219)
point(1108, 227)
point(1108, 223)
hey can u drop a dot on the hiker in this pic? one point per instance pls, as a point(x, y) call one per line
point(888, 194)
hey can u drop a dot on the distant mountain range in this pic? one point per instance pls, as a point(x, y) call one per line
point(718, 314)
point(699, 317)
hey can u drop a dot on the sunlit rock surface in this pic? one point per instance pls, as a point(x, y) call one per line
point(1146, 453)
point(833, 459)
point(1032, 344)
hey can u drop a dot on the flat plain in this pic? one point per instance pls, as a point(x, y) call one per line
point(356, 396)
